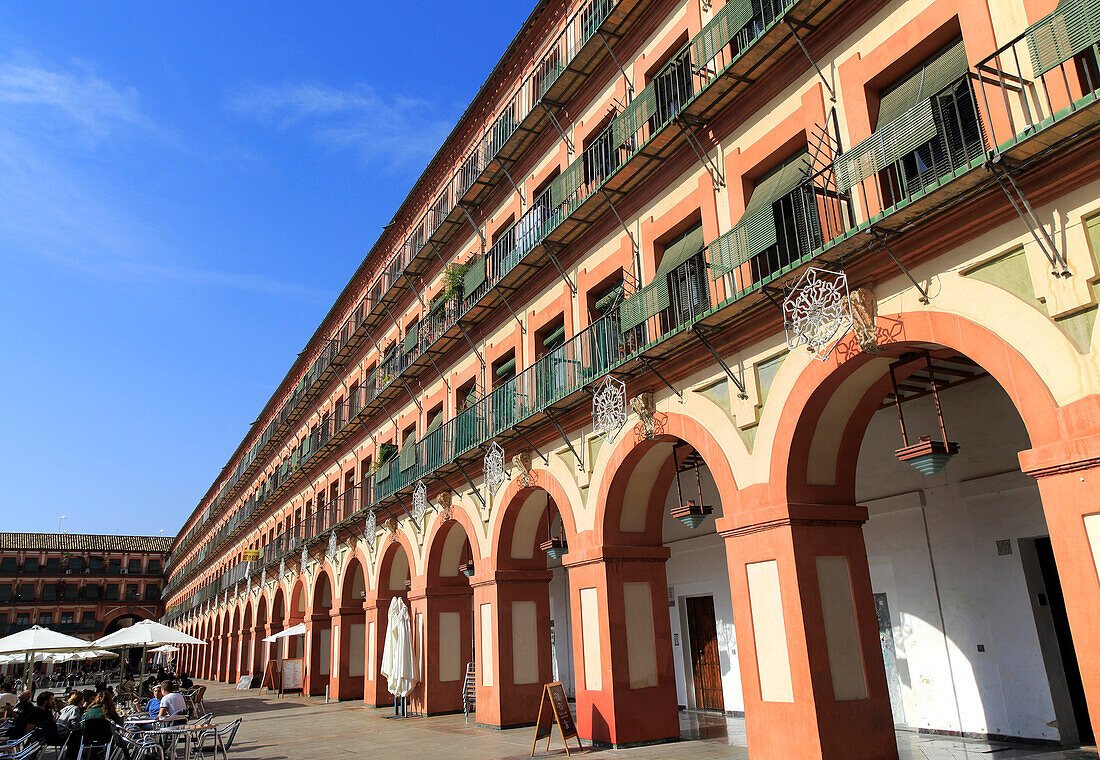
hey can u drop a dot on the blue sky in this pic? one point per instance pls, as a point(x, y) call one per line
point(184, 190)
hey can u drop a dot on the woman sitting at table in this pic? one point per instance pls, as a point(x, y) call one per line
point(68, 720)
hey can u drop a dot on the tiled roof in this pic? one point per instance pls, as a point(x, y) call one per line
point(84, 542)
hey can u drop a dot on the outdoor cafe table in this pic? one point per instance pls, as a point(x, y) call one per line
point(188, 734)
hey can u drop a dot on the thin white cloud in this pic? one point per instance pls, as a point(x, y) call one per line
point(60, 201)
point(396, 134)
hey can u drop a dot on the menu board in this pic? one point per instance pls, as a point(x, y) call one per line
point(554, 708)
point(292, 674)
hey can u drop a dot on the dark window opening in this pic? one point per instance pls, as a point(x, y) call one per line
point(8, 564)
point(111, 594)
point(30, 565)
point(53, 565)
point(134, 566)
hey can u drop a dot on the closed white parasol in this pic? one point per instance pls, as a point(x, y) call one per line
point(398, 665)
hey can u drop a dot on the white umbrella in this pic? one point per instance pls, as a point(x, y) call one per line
point(166, 648)
point(294, 630)
point(398, 665)
point(36, 639)
point(145, 634)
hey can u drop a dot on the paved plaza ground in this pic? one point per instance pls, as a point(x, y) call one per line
point(300, 727)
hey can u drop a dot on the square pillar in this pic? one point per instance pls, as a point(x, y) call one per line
point(232, 648)
point(349, 658)
point(809, 651)
point(622, 646)
point(318, 655)
point(1068, 482)
point(441, 626)
point(375, 612)
point(511, 617)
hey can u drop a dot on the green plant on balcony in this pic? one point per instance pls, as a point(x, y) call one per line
point(386, 453)
point(453, 275)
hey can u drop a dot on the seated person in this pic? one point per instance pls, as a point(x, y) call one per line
point(152, 707)
point(8, 700)
point(69, 717)
point(172, 703)
point(186, 682)
point(37, 718)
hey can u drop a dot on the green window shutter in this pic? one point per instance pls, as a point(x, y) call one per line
point(680, 250)
point(608, 297)
point(554, 339)
point(937, 72)
point(755, 232)
point(905, 117)
point(725, 256)
point(914, 128)
point(408, 453)
point(474, 276)
point(382, 474)
point(434, 425)
point(412, 338)
point(508, 369)
point(645, 303)
point(564, 187)
point(637, 113)
point(734, 16)
point(1071, 28)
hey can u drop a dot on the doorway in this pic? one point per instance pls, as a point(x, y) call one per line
point(706, 670)
point(1055, 640)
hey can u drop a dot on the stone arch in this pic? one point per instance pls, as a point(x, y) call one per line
point(635, 476)
point(522, 519)
point(397, 550)
point(446, 544)
point(353, 585)
point(831, 403)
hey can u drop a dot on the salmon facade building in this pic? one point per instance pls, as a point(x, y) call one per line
point(729, 356)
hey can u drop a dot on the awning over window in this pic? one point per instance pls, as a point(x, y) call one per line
point(411, 338)
point(905, 117)
point(653, 298)
point(755, 232)
point(734, 16)
point(475, 275)
point(554, 339)
point(638, 112)
point(1071, 28)
point(608, 297)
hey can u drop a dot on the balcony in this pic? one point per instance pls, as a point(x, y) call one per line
point(996, 113)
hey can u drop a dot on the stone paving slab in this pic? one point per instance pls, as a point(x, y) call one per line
point(304, 728)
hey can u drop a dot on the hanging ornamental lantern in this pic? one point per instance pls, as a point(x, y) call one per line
point(691, 513)
point(815, 313)
point(420, 503)
point(926, 456)
point(370, 531)
point(493, 469)
point(467, 566)
point(555, 546)
point(609, 408)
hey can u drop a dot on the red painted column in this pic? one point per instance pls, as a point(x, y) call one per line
point(808, 645)
point(374, 617)
point(512, 617)
point(349, 639)
point(234, 643)
point(318, 661)
point(622, 646)
point(1068, 474)
point(259, 661)
point(440, 618)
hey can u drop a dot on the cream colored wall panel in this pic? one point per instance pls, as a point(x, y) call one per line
point(641, 648)
point(487, 654)
point(357, 638)
point(590, 639)
point(450, 646)
point(841, 630)
point(769, 632)
point(525, 653)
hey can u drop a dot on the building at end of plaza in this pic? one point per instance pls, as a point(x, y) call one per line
point(729, 356)
point(86, 585)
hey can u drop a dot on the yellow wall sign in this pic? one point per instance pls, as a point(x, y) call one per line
point(251, 555)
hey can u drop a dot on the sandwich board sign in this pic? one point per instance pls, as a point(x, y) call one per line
point(554, 708)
